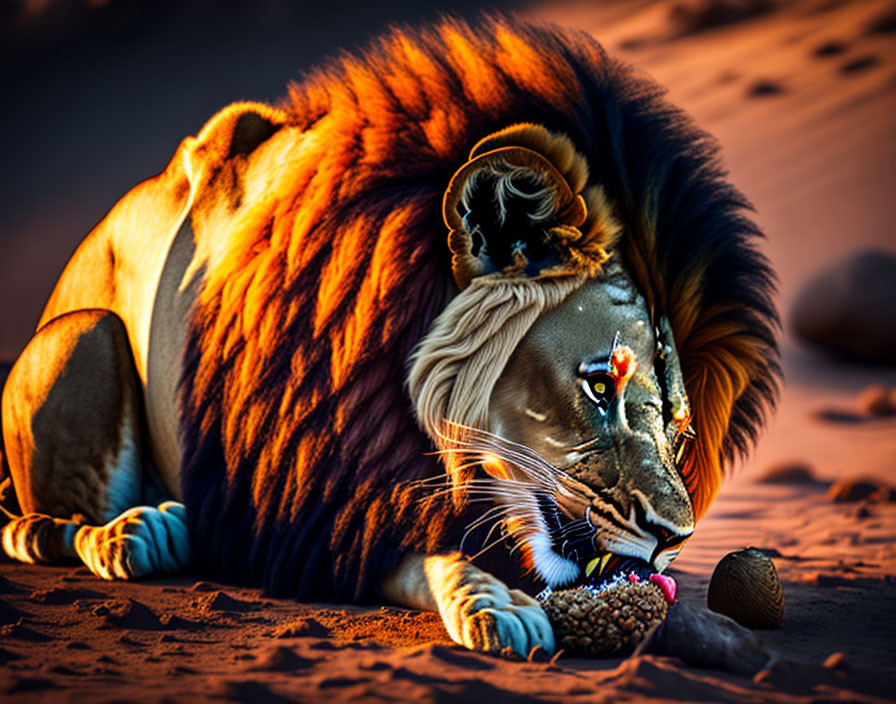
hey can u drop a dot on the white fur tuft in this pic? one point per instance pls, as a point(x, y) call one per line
point(551, 567)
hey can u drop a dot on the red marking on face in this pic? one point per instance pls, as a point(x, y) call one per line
point(623, 362)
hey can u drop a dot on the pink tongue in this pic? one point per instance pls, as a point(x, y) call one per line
point(667, 584)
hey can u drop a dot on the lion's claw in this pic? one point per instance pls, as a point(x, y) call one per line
point(486, 615)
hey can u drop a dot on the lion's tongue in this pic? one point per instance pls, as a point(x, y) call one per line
point(667, 586)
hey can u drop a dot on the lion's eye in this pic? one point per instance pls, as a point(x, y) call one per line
point(600, 387)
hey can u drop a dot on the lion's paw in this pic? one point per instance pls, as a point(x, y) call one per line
point(491, 617)
point(140, 542)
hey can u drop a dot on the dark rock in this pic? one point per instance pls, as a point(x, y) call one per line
point(850, 489)
point(849, 309)
point(883, 24)
point(877, 400)
point(703, 638)
point(702, 15)
point(863, 511)
point(829, 49)
point(861, 63)
point(788, 473)
point(745, 586)
point(764, 88)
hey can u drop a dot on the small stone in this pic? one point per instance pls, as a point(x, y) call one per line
point(745, 586)
point(852, 490)
point(787, 473)
point(863, 511)
point(877, 400)
point(848, 310)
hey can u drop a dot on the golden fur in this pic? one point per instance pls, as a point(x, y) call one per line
point(300, 444)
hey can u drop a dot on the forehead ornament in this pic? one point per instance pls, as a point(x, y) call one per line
point(519, 206)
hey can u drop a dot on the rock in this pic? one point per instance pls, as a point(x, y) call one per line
point(877, 400)
point(849, 490)
point(788, 473)
point(705, 639)
point(849, 309)
point(746, 587)
point(765, 87)
point(696, 16)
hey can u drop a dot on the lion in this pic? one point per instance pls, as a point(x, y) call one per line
point(475, 285)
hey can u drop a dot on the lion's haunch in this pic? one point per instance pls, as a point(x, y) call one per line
point(606, 623)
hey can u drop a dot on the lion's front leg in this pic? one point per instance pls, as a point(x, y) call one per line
point(478, 610)
point(72, 431)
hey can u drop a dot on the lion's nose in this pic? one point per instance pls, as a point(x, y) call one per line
point(669, 537)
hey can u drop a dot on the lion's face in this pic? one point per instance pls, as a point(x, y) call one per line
point(594, 388)
point(549, 372)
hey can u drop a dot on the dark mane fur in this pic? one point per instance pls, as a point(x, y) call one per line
point(298, 432)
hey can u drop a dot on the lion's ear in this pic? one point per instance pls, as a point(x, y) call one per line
point(238, 130)
point(518, 207)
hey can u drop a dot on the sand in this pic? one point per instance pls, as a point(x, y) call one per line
point(802, 99)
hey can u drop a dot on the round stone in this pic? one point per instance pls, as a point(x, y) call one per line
point(848, 310)
point(745, 586)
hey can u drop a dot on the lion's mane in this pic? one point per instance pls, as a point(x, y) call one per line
point(299, 435)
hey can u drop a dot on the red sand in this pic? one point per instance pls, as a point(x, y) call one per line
point(814, 147)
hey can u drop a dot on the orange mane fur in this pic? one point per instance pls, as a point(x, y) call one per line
point(300, 441)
